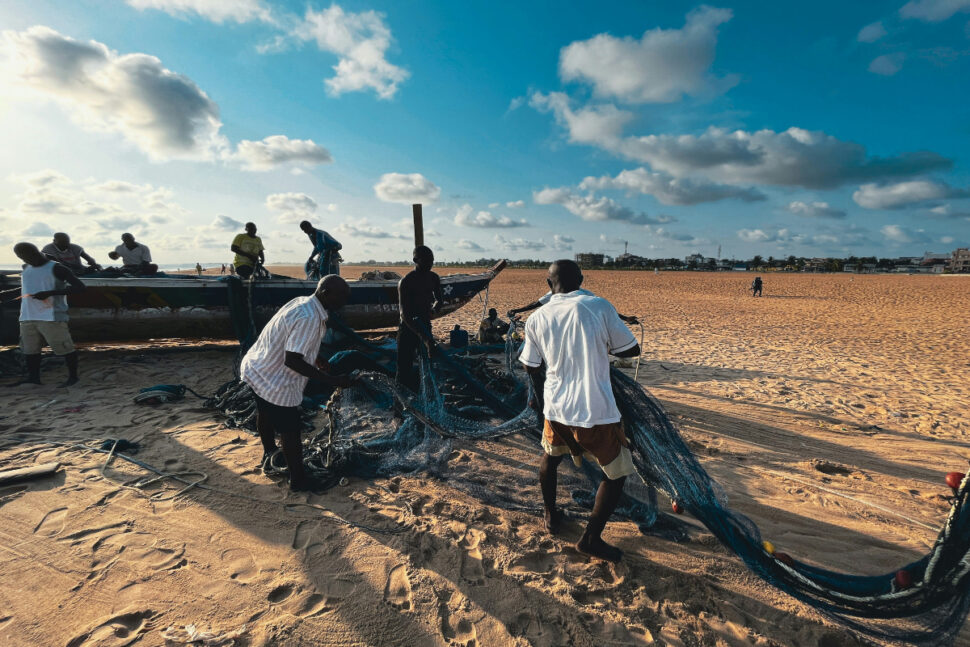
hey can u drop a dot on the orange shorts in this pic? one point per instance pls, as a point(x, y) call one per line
point(605, 444)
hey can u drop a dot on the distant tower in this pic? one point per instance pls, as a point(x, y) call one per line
point(625, 246)
point(718, 252)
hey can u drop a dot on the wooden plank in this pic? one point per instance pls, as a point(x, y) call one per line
point(27, 473)
point(418, 225)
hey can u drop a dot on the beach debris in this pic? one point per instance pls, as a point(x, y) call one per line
point(191, 635)
point(676, 507)
point(954, 479)
point(17, 475)
point(769, 547)
point(829, 467)
point(902, 580)
point(120, 445)
point(784, 558)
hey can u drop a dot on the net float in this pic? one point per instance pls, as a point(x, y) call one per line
point(903, 579)
point(954, 479)
point(785, 559)
point(679, 509)
point(769, 547)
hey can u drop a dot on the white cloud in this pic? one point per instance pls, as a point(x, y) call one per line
point(163, 113)
point(214, 10)
point(515, 204)
point(933, 10)
point(517, 244)
point(406, 188)
point(466, 217)
point(42, 178)
point(597, 125)
point(660, 67)
point(364, 229)
point(903, 235)
point(119, 186)
point(665, 234)
point(946, 240)
point(670, 190)
point(946, 211)
point(887, 64)
point(38, 229)
point(279, 149)
point(226, 223)
point(815, 209)
point(292, 207)
point(361, 41)
point(469, 245)
point(769, 236)
point(871, 33)
point(592, 208)
point(562, 243)
point(904, 194)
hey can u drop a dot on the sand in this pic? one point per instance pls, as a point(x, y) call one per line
point(852, 384)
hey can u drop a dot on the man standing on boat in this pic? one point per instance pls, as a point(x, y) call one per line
point(248, 248)
point(419, 295)
point(574, 334)
point(278, 366)
point(63, 251)
point(135, 257)
point(43, 311)
point(324, 259)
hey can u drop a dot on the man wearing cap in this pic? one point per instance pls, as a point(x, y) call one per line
point(573, 335)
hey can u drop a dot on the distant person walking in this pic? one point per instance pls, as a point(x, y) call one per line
point(756, 286)
point(63, 251)
point(135, 257)
point(280, 363)
point(248, 248)
point(573, 335)
point(223, 271)
point(198, 269)
point(43, 311)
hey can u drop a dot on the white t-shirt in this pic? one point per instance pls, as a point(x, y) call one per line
point(135, 256)
point(574, 334)
point(297, 327)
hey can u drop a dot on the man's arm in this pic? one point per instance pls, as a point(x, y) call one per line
point(436, 291)
point(90, 261)
point(632, 351)
point(66, 275)
point(238, 250)
point(514, 311)
point(538, 378)
point(295, 362)
point(630, 319)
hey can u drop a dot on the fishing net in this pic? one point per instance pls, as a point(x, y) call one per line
point(379, 428)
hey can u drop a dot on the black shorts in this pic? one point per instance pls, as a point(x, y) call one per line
point(283, 420)
point(244, 271)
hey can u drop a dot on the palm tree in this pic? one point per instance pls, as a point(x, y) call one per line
point(757, 262)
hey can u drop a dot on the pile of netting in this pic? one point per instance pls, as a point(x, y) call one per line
point(378, 428)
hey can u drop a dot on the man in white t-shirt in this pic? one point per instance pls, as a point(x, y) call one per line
point(135, 257)
point(278, 366)
point(573, 335)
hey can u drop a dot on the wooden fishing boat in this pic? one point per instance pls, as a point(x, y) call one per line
point(190, 307)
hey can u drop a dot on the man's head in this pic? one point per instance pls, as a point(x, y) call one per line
point(423, 257)
point(457, 326)
point(28, 253)
point(564, 276)
point(61, 240)
point(127, 239)
point(492, 313)
point(306, 227)
point(251, 228)
point(333, 292)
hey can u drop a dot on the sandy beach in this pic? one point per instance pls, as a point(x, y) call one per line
point(829, 410)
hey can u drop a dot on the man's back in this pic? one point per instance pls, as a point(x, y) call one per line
point(574, 334)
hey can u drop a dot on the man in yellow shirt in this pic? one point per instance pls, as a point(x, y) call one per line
point(248, 248)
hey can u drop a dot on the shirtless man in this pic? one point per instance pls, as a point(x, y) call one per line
point(419, 295)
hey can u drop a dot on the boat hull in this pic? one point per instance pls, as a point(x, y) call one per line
point(154, 308)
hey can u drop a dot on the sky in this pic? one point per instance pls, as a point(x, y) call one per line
point(527, 130)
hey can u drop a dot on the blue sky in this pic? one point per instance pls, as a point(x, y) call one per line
point(527, 129)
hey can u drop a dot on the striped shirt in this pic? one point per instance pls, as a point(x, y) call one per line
point(297, 327)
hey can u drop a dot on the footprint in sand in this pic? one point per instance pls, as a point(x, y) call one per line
point(472, 569)
point(240, 564)
point(457, 629)
point(117, 631)
point(141, 550)
point(533, 563)
point(281, 593)
point(52, 523)
point(305, 531)
point(397, 591)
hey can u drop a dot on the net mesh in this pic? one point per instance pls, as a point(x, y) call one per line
point(379, 428)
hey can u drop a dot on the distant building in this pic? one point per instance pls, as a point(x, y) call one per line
point(960, 260)
point(815, 265)
point(850, 267)
point(588, 259)
point(695, 258)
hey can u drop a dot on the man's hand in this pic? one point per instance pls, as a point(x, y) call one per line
point(630, 319)
point(323, 365)
point(96, 267)
point(511, 314)
point(43, 294)
point(113, 255)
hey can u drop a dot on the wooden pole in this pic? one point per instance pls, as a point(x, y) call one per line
point(418, 225)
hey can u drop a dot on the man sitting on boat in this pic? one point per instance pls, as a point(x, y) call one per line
point(43, 311)
point(63, 251)
point(492, 329)
point(248, 248)
point(280, 363)
point(135, 257)
point(324, 259)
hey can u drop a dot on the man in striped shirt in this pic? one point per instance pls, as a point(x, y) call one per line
point(279, 364)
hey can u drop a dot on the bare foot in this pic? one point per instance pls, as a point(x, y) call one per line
point(599, 548)
point(554, 521)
